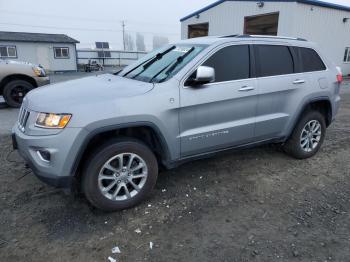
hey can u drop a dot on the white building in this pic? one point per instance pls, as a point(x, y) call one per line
point(55, 52)
point(324, 23)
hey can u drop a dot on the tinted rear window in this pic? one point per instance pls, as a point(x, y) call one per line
point(274, 60)
point(310, 60)
point(230, 63)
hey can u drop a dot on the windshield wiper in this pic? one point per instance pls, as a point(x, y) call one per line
point(173, 66)
point(161, 71)
point(117, 72)
point(150, 61)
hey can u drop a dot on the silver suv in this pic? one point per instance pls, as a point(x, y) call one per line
point(109, 134)
point(18, 78)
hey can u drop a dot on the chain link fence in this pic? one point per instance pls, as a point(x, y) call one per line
point(108, 58)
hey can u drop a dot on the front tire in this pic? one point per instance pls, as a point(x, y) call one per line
point(307, 136)
point(15, 91)
point(119, 175)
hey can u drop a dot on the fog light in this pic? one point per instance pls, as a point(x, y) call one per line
point(44, 155)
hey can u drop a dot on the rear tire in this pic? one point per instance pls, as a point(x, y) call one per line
point(307, 136)
point(110, 168)
point(15, 91)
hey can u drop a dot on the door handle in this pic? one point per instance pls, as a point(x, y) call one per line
point(246, 88)
point(299, 81)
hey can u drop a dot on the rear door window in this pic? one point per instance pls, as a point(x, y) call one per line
point(310, 60)
point(230, 63)
point(273, 60)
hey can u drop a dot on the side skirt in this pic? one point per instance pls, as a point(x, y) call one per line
point(174, 164)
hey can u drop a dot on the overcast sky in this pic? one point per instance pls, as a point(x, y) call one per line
point(100, 20)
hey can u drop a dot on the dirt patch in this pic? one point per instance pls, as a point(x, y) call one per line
point(252, 205)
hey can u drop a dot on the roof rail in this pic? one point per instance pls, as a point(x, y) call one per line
point(226, 36)
point(265, 36)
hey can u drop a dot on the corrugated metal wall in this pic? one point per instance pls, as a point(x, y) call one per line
point(228, 18)
point(325, 27)
point(318, 24)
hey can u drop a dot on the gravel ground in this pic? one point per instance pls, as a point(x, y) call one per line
point(252, 205)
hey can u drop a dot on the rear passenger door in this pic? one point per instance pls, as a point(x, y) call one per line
point(276, 80)
point(221, 114)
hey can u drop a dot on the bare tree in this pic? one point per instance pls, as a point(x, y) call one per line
point(129, 42)
point(159, 41)
point(140, 42)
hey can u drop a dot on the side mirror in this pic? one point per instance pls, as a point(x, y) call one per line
point(203, 75)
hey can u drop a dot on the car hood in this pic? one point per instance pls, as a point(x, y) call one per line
point(86, 92)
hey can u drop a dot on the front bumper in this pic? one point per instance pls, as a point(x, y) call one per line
point(41, 81)
point(65, 182)
point(63, 148)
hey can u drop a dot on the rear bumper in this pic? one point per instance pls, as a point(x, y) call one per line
point(336, 107)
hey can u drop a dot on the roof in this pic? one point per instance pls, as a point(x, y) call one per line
point(309, 2)
point(36, 37)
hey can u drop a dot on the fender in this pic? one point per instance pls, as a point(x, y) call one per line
point(93, 133)
point(302, 109)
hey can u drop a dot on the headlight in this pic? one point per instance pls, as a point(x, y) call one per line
point(47, 120)
point(39, 71)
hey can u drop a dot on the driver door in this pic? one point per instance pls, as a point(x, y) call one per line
point(221, 114)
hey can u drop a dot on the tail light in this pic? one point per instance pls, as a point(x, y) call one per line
point(339, 76)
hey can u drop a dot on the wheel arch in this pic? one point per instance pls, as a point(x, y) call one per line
point(13, 77)
point(146, 132)
point(321, 104)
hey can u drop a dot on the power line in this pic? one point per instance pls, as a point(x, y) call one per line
point(9, 12)
point(85, 29)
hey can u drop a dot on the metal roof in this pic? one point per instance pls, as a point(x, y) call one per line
point(309, 2)
point(36, 37)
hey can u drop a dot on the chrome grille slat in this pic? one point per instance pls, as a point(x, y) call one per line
point(23, 118)
point(20, 114)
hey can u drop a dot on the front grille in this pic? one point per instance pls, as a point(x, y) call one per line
point(23, 118)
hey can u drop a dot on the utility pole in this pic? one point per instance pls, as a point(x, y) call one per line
point(123, 25)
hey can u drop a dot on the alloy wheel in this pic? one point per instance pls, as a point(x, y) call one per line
point(122, 177)
point(311, 135)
